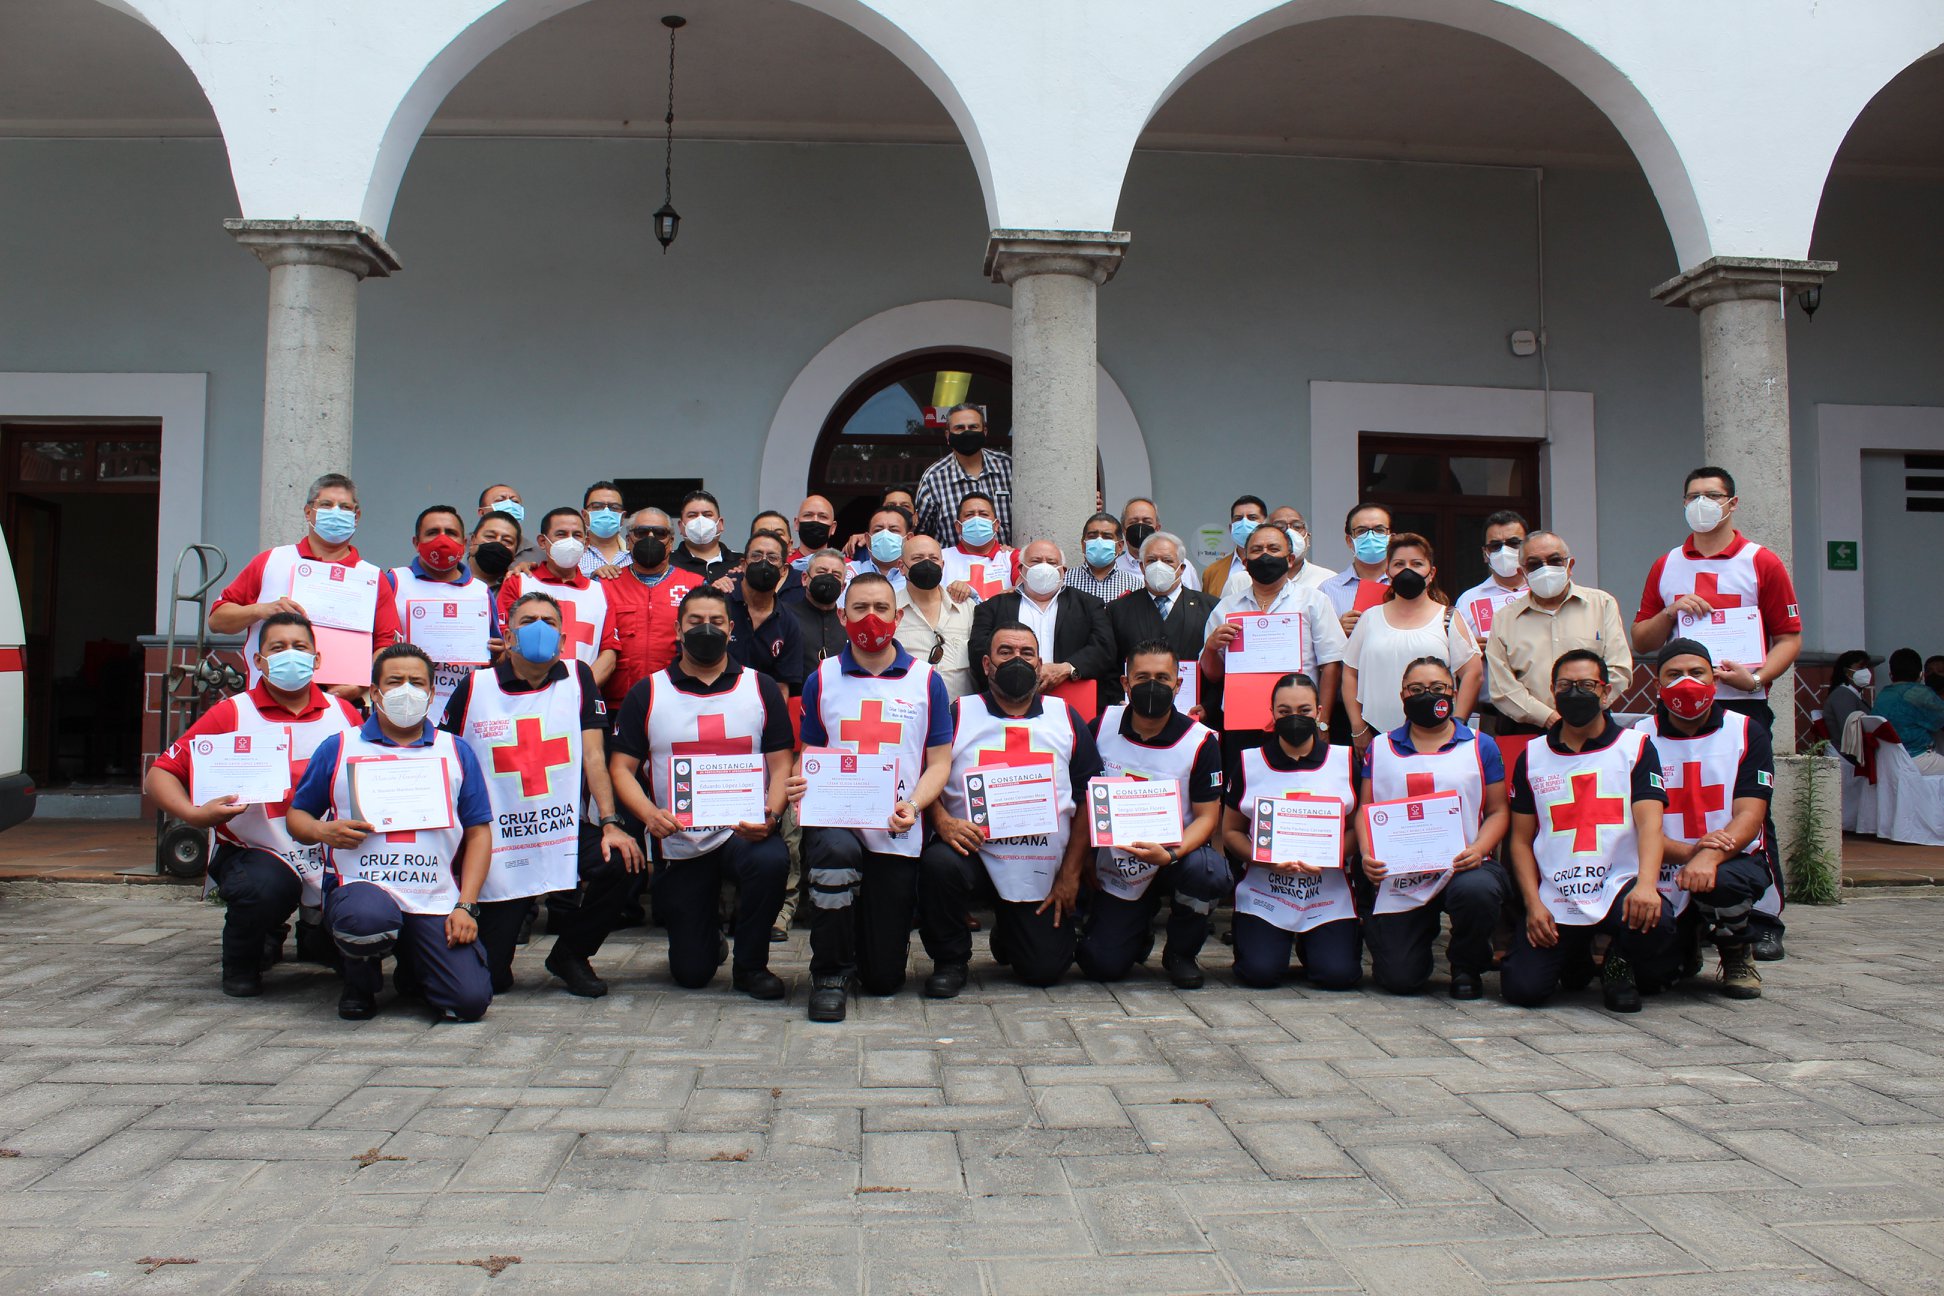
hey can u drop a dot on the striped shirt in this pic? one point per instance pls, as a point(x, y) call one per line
point(1119, 581)
point(945, 485)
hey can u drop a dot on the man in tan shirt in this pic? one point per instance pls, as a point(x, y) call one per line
point(1554, 616)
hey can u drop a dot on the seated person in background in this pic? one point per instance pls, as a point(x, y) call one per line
point(1914, 709)
point(1847, 682)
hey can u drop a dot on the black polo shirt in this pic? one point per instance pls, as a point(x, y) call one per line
point(1646, 774)
point(1205, 782)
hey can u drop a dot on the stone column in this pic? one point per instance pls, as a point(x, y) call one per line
point(310, 358)
point(1743, 306)
point(1054, 276)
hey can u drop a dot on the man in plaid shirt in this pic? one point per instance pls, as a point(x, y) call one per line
point(1101, 573)
point(970, 467)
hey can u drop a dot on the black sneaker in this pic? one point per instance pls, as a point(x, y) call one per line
point(778, 935)
point(242, 983)
point(1617, 985)
point(829, 998)
point(1182, 971)
point(1466, 985)
point(758, 983)
point(577, 973)
point(356, 1005)
point(1768, 947)
point(946, 980)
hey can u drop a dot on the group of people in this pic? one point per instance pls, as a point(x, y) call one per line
point(619, 644)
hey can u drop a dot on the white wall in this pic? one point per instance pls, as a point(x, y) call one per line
point(1902, 549)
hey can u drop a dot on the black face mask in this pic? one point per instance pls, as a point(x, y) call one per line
point(1427, 710)
point(1015, 679)
point(1296, 729)
point(492, 559)
point(815, 535)
point(967, 443)
point(1151, 699)
point(1408, 583)
point(705, 644)
point(925, 574)
point(762, 577)
point(1576, 708)
point(1936, 683)
point(1267, 569)
point(649, 551)
point(825, 588)
point(1137, 534)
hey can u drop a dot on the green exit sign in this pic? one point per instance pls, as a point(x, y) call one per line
point(1842, 555)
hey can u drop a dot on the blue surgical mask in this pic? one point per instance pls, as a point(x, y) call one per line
point(977, 531)
point(604, 522)
point(1241, 529)
point(886, 547)
point(1099, 552)
point(537, 642)
point(512, 508)
point(289, 670)
point(335, 525)
point(1371, 547)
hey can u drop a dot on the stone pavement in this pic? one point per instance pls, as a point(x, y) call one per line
point(1120, 1140)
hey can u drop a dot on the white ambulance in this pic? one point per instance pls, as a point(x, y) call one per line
point(16, 789)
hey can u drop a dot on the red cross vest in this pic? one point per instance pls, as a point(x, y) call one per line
point(580, 631)
point(706, 724)
point(859, 713)
point(419, 870)
point(279, 575)
point(411, 589)
point(1120, 873)
point(1296, 902)
point(263, 827)
point(1699, 774)
point(529, 749)
point(1021, 868)
point(987, 576)
point(1734, 582)
point(1394, 776)
point(1586, 846)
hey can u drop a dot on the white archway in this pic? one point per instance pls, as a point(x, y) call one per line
point(907, 330)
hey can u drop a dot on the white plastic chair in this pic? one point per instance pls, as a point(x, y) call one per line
point(1909, 803)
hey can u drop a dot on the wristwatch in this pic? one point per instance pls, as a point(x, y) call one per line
point(1174, 855)
point(613, 820)
point(470, 906)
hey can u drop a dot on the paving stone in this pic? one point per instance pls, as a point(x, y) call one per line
point(1421, 1176)
point(918, 1162)
point(1135, 1221)
point(515, 1162)
point(1871, 1255)
point(1077, 1106)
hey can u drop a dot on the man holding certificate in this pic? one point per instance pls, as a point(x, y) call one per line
point(1147, 743)
point(404, 810)
point(872, 700)
point(442, 607)
point(1018, 759)
point(702, 757)
point(537, 727)
point(1268, 630)
point(232, 772)
point(1434, 815)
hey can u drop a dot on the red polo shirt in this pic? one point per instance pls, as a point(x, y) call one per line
point(247, 588)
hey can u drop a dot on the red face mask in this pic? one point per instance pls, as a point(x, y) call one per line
point(871, 633)
point(1688, 698)
point(440, 553)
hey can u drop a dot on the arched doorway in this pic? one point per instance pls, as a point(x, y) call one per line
point(890, 426)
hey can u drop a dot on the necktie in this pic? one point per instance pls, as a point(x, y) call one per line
point(1161, 605)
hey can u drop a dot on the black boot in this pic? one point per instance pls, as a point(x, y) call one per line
point(356, 1003)
point(757, 983)
point(946, 980)
point(1183, 972)
point(1466, 985)
point(577, 973)
point(829, 998)
point(242, 982)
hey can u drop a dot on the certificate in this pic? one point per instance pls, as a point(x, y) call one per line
point(254, 768)
point(847, 790)
point(1299, 830)
point(332, 594)
point(1417, 834)
point(1731, 634)
point(452, 633)
point(401, 793)
point(717, 791)
point(1012, 800)
point(1266, 643)
point(1128, 810)
point(1188, 696)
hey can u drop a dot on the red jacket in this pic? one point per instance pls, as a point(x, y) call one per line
point(642, 627)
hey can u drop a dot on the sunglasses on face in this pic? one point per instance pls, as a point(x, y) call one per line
point(663, 532)
point(1565, 687)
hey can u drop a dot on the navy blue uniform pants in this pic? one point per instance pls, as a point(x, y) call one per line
point(260, 892)
point(1119, 931)
point(1400, 943)
point(1332, 953)
point(1038, 952)
point(687, 899)
point(1529, 974)
point(368, 926)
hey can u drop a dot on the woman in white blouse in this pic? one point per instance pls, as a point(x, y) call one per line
point(1415, 620)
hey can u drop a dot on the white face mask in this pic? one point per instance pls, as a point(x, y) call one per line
point(1548, 582)
point(406, 705)
point(1298, 544)
point(1703, 514)
point(701, 529)
point(1504, 562)
point(566, 553)
point(1043, 579)
point(1160, 577)
point(1861, 677)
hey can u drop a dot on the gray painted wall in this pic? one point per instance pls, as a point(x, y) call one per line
point(537, 332)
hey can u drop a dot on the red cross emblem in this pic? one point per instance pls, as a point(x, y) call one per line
point(1708, 586)
point(1694, 799)
point(712, 739)
point(984, 588)
point(573, 631)
point(1017, 751)
point(1587, 813)
point(871, 731)
point(532, 756)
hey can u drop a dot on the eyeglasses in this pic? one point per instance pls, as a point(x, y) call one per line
point(1719, 497)
point(1434, 690)
point(937, 654)
point(1493, 546)
point(1555, 560)
point(663, 532)
point(1567, 687)
point(1371, 530)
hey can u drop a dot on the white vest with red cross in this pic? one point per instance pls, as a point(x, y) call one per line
point(279, 577)
point(880, 714)
point(1296, 902)
point(419, 870)
point(1394, 777)
point(263, 827)
point(410, 588)
point(583, 614)
point(1120, 873)
point(1586, 846)
point(988, 575)
point(1022, 868)
point(699, 724)
point(1724, 582)
point(529, 750)
point(1699, 775)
